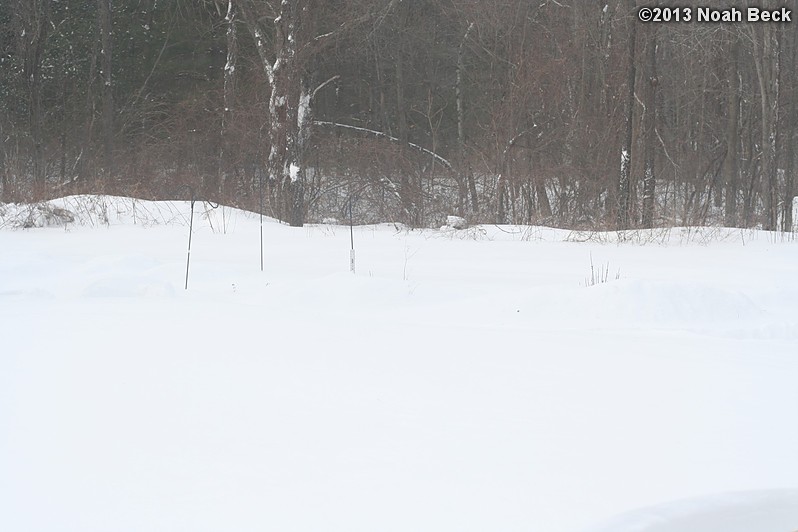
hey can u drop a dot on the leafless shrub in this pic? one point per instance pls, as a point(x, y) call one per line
point(600, 274)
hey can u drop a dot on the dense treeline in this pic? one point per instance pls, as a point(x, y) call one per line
point(564, 112)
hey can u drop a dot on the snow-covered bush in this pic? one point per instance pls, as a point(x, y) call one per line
point(41, 215)
point(456, 222)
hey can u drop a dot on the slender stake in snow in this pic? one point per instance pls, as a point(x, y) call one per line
point(351, 239)
point(260, 193)
point(190, 230)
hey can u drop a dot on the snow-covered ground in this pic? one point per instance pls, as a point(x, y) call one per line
point(461, 380)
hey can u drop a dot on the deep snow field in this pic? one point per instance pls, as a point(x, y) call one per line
point(466, 380)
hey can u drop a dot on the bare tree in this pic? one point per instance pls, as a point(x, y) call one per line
point(106, 62)
point(35, 25)
point(649, 127)
point(288, 37)
point(767, 60)
point(789, 129)
point(625, 180)
point(231, 21)
point(466, 184)
point(731, 168)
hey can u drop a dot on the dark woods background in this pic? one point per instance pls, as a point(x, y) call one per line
point(568, 112)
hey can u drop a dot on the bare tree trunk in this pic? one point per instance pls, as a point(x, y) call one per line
point(63, 165)
point(501, 193)
point(649, 125)
point(766, 60)
point(748, 167)
point(625, 181)
point(605, 45)
point(789, 177)
point(35, 31)
point(285, 119)
point(228, 96)
point(544, 205)
point(788, 133)
point(106, 55)
point(284, 164)
point(82, 164)
point(401, 112)
point(37, 119)
point(5, 193)
point(401, 105)
point(382, 113)
point(731, 164)
point(469, 187)
point(693, 206)
point(538, 184)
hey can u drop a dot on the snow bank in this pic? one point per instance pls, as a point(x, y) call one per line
point(765, 511)
point(95, 211)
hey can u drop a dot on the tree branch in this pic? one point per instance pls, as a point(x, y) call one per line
point(317, 89)
point(257, 35)
point(380, 134)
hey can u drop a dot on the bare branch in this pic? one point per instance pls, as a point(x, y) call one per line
point(257, 35)
point(317, 89)
point(380, 134)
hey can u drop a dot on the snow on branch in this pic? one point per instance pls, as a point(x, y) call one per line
point(317, 89)
point(324, 38)
point(263, 53)
point(380, 134)
point(260, 44)
point(513, 141)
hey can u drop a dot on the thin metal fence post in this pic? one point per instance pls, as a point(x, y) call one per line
point(260, 193)
point(190, 231)
point(351, 239)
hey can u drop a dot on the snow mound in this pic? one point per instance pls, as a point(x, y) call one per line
point(670, 303)
point(757, 511)
point(638, 304)
point(96, 210)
